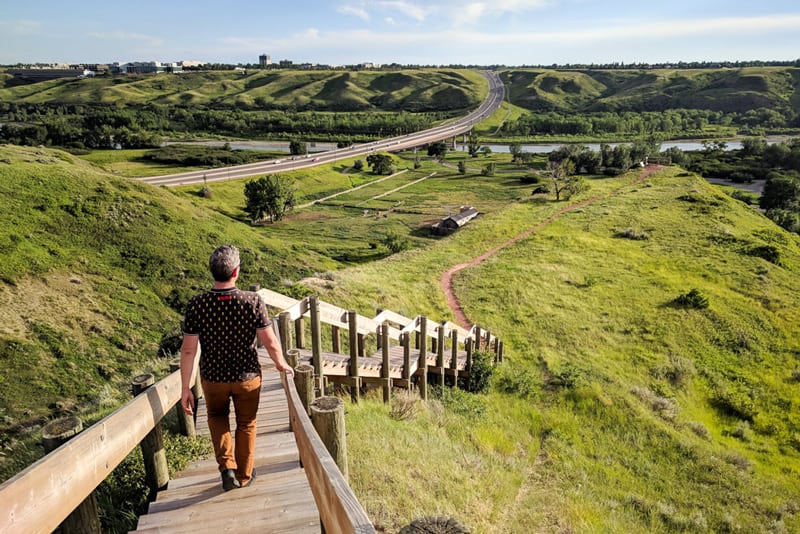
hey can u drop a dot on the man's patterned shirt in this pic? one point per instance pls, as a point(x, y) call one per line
point(226, 321)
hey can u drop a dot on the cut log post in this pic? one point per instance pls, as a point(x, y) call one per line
point(304, 382)
point(422, 367)
point(352, 370)
point(327, 416)
point(316, 343)
point(385, 380)
point(153, 453)
point(85, 519)
point(185, 421)
point(293, 358)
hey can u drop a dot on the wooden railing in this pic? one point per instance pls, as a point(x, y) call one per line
point(339, 510)
point(39, 498)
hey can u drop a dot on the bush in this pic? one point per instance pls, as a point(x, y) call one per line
point(404, 406)
point(520, 382)
point(632, 233)
point(459, 401)
point(480, 373)
point(771, 253)
point(541, 190)
point(693, 299)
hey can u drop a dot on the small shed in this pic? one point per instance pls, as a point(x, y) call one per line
point(452, 223)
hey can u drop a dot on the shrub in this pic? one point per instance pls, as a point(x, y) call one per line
point(693, 299)
point(771, 253)
point(404, 406)
point(480, 372)
point(632, 233)
point(515, 381)
point(530, 179)
point(743, 432)
point(459, 401)
point(700, 429)
point(664, 407)
point(541, 190)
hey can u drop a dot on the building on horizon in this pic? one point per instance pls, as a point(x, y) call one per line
point(264, 60)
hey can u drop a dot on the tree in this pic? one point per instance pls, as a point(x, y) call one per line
point(561, 177)
point(380, 163)
point(488, 170)
point(438, 149)
point(271, 195)
point(487, 151)
point(516, 151)
point(462, 167)
point(781, 192)
point(297, 148)
point(358, 164)
point(473, 146)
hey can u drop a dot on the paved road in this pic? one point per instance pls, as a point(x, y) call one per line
point(405, 142)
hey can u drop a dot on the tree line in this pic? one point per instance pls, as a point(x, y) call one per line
point(673, 123)
point(84, 126)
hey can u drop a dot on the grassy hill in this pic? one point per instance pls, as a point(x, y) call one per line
point(618, 408)
point(727, 90)
point(409, 90)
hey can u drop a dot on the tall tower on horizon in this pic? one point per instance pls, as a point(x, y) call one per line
point(264, 60)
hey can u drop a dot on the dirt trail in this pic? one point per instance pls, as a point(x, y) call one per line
point(447, 277)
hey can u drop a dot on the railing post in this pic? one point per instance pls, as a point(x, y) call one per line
point(468, 347)
point(387, 382)
point(440, 352)
point(422, 367)
point(300, 332)
point(316, 344)
point(185, 421)
point(500, 351)
point(327, 416)
point(454, 355)
point(85, 519)
point(153, 453)
point(283, 330)
point(353, 371)
point(336, 340)
point(304, 382)
point(477, 346)
point(405, 341)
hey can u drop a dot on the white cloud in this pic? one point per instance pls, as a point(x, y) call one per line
point(359, 12)
point(128, 36)
point(408, 9)
point(20, 27)
point(390, 21)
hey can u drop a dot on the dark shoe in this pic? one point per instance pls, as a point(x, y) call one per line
point(252, 478)
point(229, 480)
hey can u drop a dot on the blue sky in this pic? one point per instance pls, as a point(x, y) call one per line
point(436, 32)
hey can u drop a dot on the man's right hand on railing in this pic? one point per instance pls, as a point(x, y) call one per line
point(187, 401)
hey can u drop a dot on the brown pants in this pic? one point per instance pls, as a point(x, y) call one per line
point(245, 397)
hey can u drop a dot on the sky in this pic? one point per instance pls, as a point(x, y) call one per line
point(434, 32)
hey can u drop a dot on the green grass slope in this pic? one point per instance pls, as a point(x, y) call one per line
point(728, 90)
point(96, 270)
point(617, 409)
point(409, 90)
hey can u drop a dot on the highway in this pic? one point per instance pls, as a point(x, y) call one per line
point(393, 144)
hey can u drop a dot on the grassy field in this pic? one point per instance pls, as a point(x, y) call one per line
point(617, 408)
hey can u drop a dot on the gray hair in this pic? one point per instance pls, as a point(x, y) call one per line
point(223, 261)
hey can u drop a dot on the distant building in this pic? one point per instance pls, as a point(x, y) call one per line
point(40, 75)
point(146, 67)
point(264, 60)
point(286, 63)
point(450, 224)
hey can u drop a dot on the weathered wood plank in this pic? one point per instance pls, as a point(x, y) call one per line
point(279, 500)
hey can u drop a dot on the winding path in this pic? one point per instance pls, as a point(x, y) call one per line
point(447, 278)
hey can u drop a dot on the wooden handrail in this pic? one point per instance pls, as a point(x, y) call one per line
point(40, 497)
point(339, 509)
